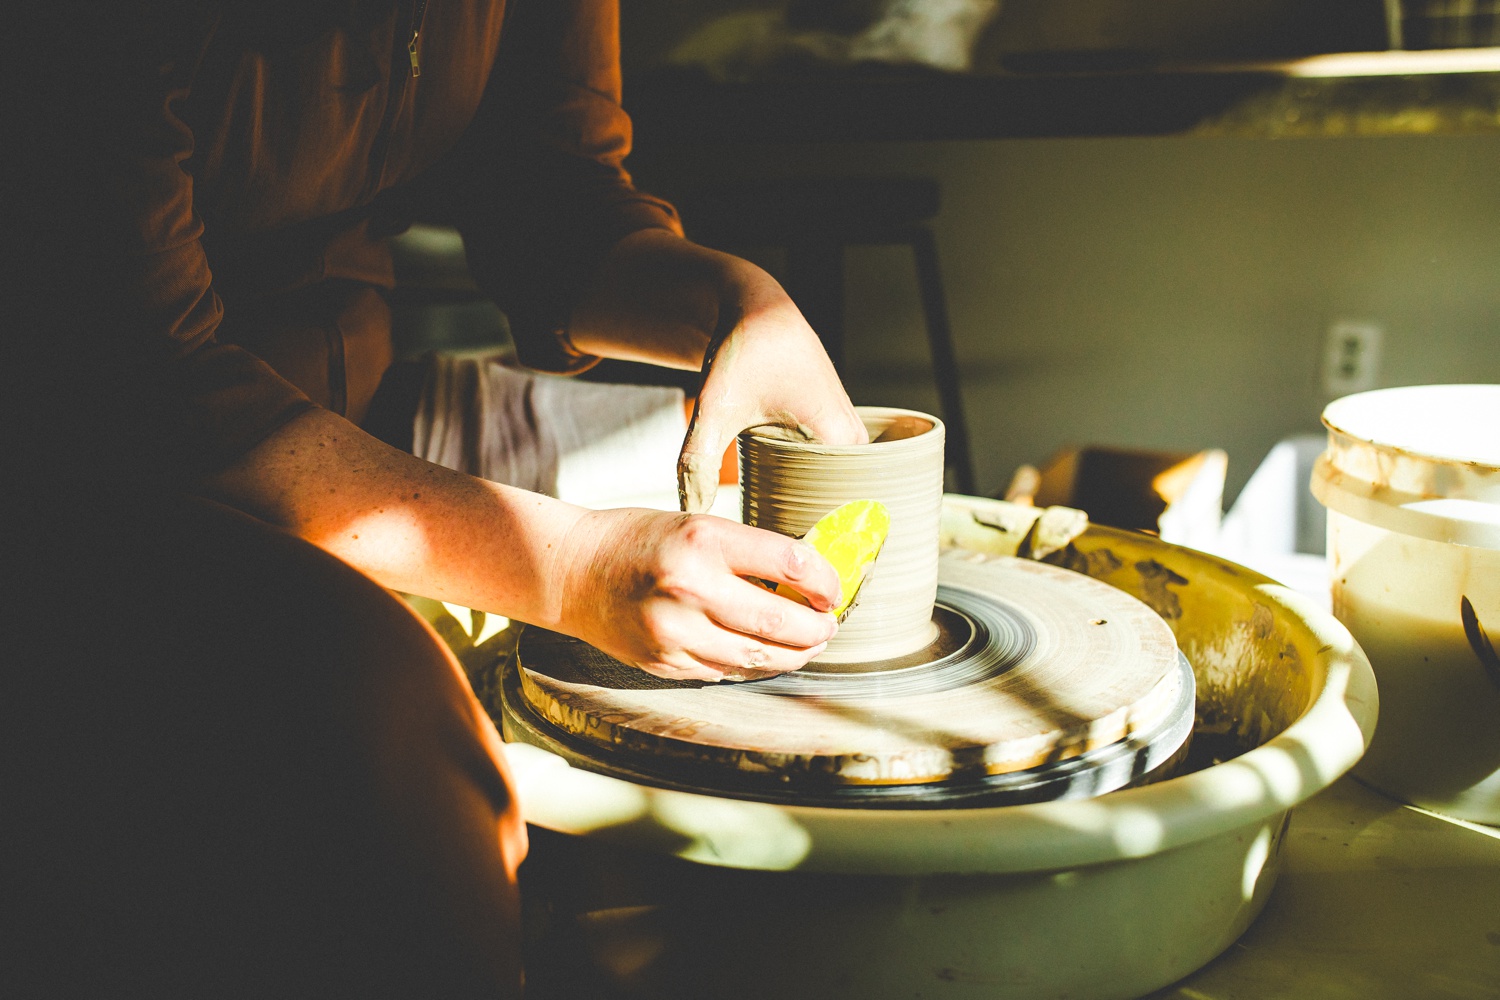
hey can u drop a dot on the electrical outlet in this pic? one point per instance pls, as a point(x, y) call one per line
point(1351, 357)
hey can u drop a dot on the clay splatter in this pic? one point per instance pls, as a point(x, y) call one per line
point(1156, 581)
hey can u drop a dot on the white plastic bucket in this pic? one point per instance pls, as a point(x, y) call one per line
point(1411, 480)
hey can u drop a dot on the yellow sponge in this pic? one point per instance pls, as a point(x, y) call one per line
point(850, 537)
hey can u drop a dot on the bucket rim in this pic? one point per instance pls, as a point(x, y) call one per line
point(1335, 417)
point(1449, 520)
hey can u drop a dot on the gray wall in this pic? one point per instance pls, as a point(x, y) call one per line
point(1161, 293)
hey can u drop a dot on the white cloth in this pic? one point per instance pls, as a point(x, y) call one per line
point(590, 443)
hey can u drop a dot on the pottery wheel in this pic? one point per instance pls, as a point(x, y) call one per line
point(1042, 682)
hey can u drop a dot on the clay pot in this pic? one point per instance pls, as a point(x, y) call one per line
point(788, 485)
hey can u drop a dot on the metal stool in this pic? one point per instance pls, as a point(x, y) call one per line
point(814, 219)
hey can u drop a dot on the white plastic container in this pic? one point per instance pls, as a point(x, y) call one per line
point(1411, 480)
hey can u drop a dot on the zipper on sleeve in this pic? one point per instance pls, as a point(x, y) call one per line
point(416, 37)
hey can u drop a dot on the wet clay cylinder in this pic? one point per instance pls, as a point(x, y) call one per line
point(788, 485)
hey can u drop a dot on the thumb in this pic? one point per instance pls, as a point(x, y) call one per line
point(698, 465)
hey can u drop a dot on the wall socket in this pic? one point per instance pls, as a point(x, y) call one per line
point(1351, 357)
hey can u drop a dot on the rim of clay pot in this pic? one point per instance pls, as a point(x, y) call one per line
point(880, 416)
point(1323, 742)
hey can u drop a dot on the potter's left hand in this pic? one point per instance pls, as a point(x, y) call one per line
point(665, 300)
point(765, 367)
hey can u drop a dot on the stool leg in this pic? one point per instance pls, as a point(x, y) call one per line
point(944, 360)
point(815, 281)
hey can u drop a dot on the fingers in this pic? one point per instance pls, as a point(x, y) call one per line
point(709, 623)
point(756, 616)
point(669, 594)
point(766, 369)
point(724, 655)
point(775, 558)
point(686, 669)
point(838, 425)
point(738, 657)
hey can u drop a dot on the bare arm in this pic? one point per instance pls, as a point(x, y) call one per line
point(412, 525)
point(663, 591)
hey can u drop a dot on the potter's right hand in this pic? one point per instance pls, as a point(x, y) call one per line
point(668, 593)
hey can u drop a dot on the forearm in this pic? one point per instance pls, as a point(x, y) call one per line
point(665, 592)
point(658, 299)
point(411, 525)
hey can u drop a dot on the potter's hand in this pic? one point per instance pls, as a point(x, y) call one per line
point(667, 593)
point(765, 366)
point(664, 300)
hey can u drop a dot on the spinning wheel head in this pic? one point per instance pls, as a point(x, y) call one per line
point(1040, 683)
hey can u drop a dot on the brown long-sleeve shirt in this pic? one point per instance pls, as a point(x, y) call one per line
point(203, 193)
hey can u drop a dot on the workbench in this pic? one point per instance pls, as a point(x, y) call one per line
point(1376, 901)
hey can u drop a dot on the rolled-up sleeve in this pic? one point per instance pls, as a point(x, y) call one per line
point(543, 193)
point(112, 340)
